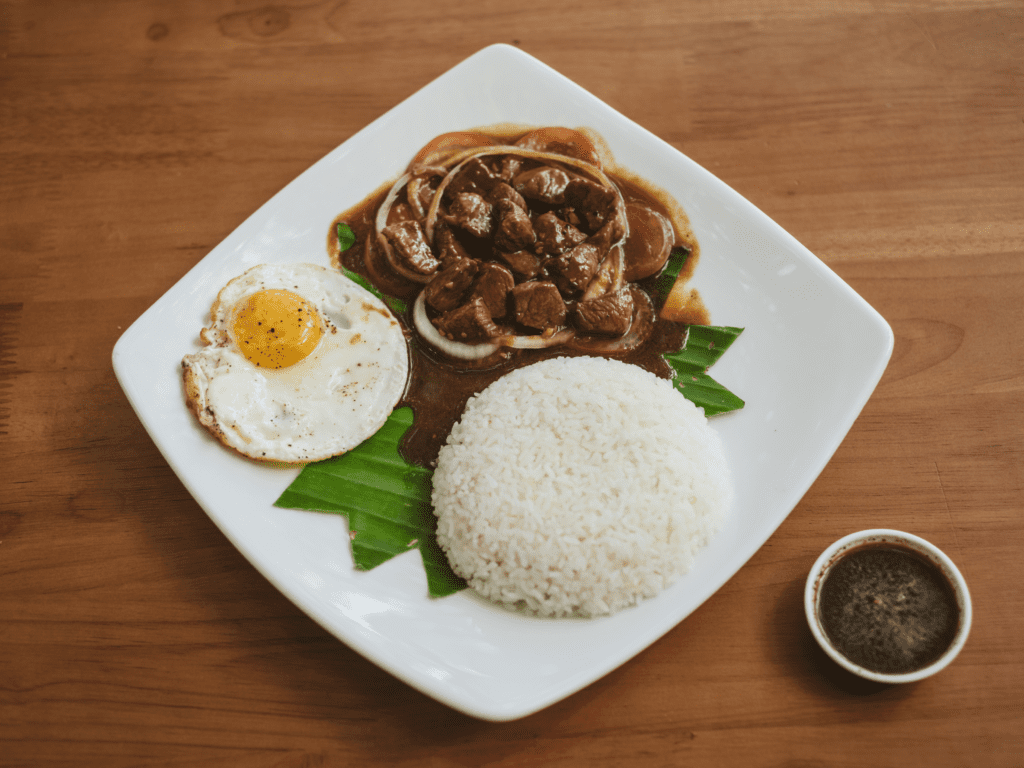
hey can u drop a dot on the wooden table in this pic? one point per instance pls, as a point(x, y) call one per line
point(888, 138)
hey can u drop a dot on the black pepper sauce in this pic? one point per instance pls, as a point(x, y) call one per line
point(439, 387)
point(888, 609)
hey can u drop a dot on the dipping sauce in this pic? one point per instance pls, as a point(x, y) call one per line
point(888, 609)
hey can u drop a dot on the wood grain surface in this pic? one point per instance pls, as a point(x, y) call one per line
point(134, 136)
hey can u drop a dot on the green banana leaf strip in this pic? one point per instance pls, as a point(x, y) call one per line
point(704, 345)
point(346, 237)
point(666, 279)
point(386, 500)
point(397, 305)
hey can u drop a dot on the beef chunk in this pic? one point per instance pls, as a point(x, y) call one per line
point(538, 305)
point(523, 263)
point(569, 215)
point(545, 184)
point(592, 203)
point(410, 247)
point(514, 230)
point(469, 211)
point(475, 176)
point(503, 191)
point(493, 284)
point(555, 235)
point(610, 314)
point(448, 246)
point(510, 165)
point(445, 291)
point(469, 323)
point(650, 242)
point(578, 265)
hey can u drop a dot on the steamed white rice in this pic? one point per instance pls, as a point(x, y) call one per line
point(578, 486)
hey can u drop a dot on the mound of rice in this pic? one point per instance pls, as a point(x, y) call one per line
point(578, 486)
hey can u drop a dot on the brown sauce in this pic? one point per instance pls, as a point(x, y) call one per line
point(439, 387)
point(888, 609)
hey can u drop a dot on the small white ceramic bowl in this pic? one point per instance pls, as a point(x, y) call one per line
point(835, 553)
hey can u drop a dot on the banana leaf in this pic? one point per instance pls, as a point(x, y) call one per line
point(704, 345)
point(386, 500)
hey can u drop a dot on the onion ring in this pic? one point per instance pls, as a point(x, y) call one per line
point(539, 342)
point(385, 208)
point(449, 347)
point(609, 277)
point(479, 351)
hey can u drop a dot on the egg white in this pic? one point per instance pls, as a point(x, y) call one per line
point(325, 404)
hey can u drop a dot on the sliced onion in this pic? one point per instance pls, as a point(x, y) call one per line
point(449, 347)
point(609, 276)
point(412, 194)
point(419, 174)
point(385, 207)
point(479, 351)
point(415, 174)
point(542, 341)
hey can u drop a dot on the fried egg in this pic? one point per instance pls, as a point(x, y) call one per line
point(299, 364)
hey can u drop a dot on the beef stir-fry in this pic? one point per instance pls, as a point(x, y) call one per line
point(509, 248)
point(525, 245)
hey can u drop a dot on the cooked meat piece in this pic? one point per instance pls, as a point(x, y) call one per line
point(447, 244)
point(649, 244)
point(578, 265)
point(469, 323)
point(503, 191)
point(445, 290)
point(514, 231)
point(475, 176)
point(538, 305)
point(604, 237)
point(510, 165)
point(469, 211)
point(493, 284)
point(545, 184)
point(610, 314)
point(555, 235)
point(410, 247)
point(593, 204)
point(569, 215)
point(523, 263)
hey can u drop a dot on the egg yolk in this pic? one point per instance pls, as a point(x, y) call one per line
point(276, 328)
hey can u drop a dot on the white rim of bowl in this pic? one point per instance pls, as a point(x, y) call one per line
point(887, 536)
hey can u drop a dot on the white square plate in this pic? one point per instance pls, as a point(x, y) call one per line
point(811, 354)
